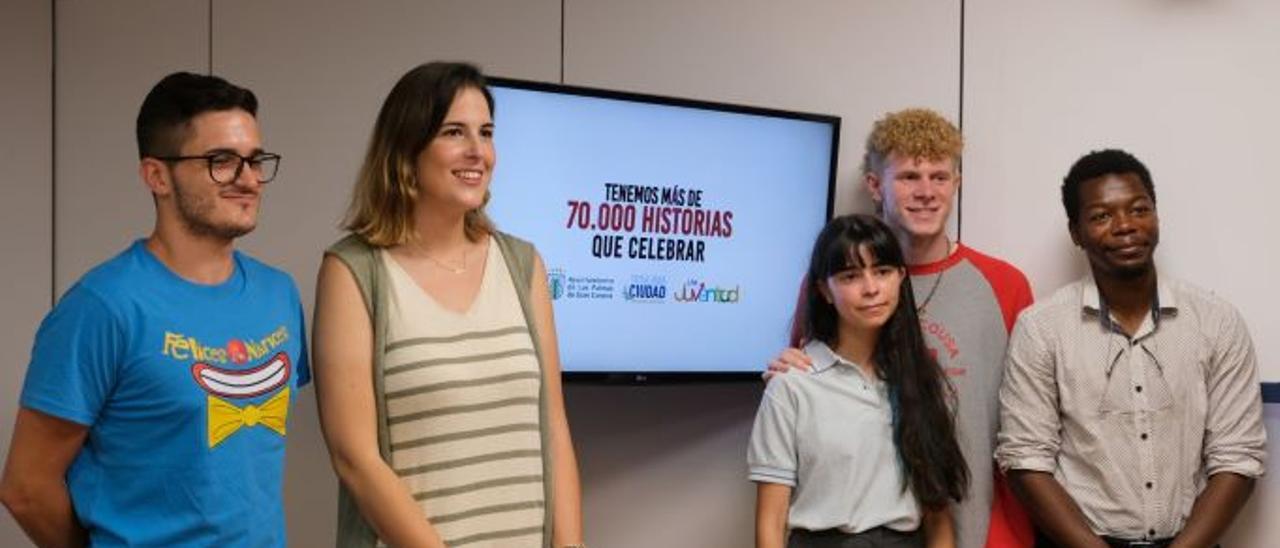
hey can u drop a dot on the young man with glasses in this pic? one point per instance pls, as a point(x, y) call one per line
point(1130, 414)
point(156, 403)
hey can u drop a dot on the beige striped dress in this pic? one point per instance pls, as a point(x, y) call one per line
point(462, 403)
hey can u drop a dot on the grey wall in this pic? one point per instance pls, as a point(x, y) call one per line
point(107, 59)
point(26, 199)
point(662, 466)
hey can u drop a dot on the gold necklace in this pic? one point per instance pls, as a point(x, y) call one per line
point(446, 266)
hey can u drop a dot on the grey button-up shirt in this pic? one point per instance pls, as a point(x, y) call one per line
point(1132, 427)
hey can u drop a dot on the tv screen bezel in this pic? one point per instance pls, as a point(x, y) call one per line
point(668, 377)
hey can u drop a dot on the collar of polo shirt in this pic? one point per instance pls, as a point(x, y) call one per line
point(825, 358)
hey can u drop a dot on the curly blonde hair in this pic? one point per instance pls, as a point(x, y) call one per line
point(911, 133)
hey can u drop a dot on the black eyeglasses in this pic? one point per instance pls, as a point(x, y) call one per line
point(225, 167)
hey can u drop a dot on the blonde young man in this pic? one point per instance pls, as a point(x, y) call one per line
point(967, 303)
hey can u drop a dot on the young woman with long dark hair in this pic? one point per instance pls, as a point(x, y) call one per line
point(862, 451)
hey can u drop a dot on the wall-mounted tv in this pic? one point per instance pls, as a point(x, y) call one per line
point(675, 232)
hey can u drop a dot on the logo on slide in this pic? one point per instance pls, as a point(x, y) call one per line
point(698, 291)
point(556, 282)
point(646, 289)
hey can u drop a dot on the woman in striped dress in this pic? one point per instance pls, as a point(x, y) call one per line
point(437, 373)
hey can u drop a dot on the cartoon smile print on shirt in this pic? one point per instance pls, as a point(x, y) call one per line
point(224, 417)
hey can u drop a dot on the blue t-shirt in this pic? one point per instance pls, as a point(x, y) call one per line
point(185, 389)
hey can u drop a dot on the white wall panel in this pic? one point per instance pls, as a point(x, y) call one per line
point(856, 60)
point(109, 54)
point(26, 199)
point(321, 71)
point(1188, 87)
point(667, 466)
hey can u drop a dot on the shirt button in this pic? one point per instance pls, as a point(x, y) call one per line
point(1151, 532)
point(1144, 435)
point(1137, 388)
point(1150, 485)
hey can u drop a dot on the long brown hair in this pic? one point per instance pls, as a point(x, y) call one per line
point(386, 193)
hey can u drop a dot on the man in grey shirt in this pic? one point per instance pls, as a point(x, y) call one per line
point(1130, 411)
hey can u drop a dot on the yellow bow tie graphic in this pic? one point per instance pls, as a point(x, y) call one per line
point(225, 418)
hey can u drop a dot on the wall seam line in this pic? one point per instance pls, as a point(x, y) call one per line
point(53, 153)
point(562, 2)
point(960, 123)
point(210, 44)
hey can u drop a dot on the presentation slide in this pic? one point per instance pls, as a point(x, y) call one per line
point(675, 237)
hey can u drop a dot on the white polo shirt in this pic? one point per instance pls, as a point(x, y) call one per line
point(829, 435)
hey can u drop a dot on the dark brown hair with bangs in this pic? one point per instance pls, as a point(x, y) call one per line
point(924, 429)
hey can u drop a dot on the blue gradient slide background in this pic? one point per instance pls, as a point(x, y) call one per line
point(772, 173)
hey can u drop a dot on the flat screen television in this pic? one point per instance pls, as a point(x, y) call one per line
point(675, 232)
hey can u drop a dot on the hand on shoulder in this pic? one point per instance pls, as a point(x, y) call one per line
point(789, 359)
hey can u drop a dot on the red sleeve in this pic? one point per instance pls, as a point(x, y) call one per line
point(1010, 526)
point(1012, 290)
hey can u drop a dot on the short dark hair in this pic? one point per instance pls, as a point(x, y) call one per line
point(164, 119)
point(1111, 161)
